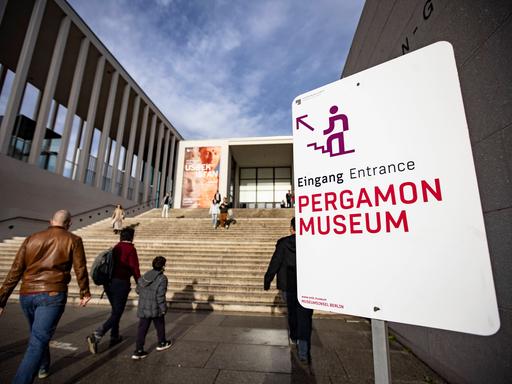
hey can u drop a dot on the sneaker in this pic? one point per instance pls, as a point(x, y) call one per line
point(164, 345)
point(139, 354)
point(43, 373)
point(115, 340)
point(92, 342)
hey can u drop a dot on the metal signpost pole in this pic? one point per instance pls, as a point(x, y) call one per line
point(381, 365)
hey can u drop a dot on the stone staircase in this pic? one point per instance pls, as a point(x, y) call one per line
point(214, 269)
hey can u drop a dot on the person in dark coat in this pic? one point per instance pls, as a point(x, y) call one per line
point(152, 288)
point(126, 265)
point(288, 199)
point(223, 208)
point(283, 263)
point(217, 197)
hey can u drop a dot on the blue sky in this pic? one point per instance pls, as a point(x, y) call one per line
point(226, 68)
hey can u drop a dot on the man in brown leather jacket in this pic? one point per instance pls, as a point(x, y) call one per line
point(43, 263)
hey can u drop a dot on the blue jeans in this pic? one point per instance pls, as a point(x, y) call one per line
point(43, 312)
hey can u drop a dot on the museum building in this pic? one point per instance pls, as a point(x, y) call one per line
point(76, 126)
point(78, 132)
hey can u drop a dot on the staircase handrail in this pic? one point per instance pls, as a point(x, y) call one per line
point(148, 202)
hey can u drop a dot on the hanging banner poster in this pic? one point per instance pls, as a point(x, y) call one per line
point(388, 215)
point(200, 176)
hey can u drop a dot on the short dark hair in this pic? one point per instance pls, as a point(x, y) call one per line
point(127, 234)
point(159, 263)
point(292, 223)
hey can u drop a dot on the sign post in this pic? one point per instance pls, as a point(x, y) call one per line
point(387, 201)
point(380, 344)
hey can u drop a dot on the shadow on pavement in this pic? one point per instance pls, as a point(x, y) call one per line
point(102, 357)
point(17, 348)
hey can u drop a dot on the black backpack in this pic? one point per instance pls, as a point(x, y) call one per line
point(102, 268)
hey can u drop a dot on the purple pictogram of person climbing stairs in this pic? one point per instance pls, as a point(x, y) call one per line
point(335, 142)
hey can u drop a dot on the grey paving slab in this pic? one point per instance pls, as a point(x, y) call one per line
point(131, 372)
point(208, 348)
point(325, 362)
point(259, 358)
point(342, 340)
point(244, 377)
point(213, 319)
point(358, 364)
point(193, 318)
point(238, 335)
point(273, 322)
point(191, 354)
point(342, 325)
point(404, 366)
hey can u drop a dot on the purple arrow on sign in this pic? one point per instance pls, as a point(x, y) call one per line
point(299, 120)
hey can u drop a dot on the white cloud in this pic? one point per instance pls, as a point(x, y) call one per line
point(164, 3)
point(267, 18)
point(226, 72)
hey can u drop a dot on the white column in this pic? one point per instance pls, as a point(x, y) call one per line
point(119, 137)
point(49, 90)
point(53, 116)
point(105, 132)
point(163, 185)
point(140, 152)
point(171, 164)
point(147, 176)
point(157, 159)
point(74, 94)
point(129, 151)
point(18, 86)
point(91, 117)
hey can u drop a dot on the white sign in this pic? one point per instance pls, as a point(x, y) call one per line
point(388, 216)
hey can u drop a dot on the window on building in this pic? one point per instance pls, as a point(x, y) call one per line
point(6, 91)
point(264, 187)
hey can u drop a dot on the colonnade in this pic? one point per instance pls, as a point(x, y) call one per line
point(127, 116)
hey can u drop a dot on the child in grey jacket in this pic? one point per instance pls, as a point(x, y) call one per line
point(152, 287)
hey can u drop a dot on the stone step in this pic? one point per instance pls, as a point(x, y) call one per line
point(226, 274)
point(189, 260)
point(192, 267)
point(254, 213)
point(191, 284)
point(199, 279)
point(176, 256)
point(215, 269)
point(189, 295)
point(174, 260)
point(253, 307)
point(198, 247)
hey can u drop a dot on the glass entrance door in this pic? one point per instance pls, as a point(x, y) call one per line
point(264, 187)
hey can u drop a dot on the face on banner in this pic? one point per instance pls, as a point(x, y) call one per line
point(200, 176)
point(388, 214)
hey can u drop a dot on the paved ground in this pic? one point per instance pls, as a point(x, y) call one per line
point(209, 348)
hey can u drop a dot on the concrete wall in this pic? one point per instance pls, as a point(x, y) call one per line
point(29, 196)
point(481, 33)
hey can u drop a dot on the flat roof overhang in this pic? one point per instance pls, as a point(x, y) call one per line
point(249, 154)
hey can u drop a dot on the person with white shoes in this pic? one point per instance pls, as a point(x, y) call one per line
point(166, 205)
point(152, 288)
